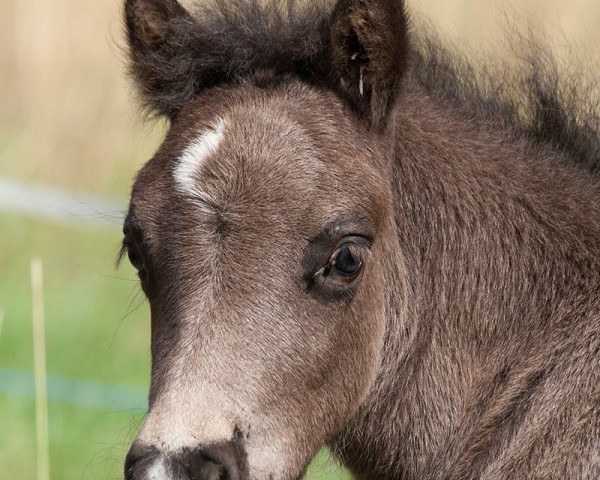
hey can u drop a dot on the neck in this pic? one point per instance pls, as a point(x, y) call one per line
point(490, 261)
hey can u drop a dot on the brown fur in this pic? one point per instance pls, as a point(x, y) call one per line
point(467, 347)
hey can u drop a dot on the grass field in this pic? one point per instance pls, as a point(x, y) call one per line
point(96, 330)
point(67, 119)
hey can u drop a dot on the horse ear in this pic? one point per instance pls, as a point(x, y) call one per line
point(369, 50)
point(157, 33)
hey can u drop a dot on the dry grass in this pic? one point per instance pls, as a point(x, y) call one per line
point(67, 115)
point(574, 23)
point(39, 357)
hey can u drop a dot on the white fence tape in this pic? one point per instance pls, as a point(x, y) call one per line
point(57, 205)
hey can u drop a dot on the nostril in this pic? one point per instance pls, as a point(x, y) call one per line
point(137, 459)
point(130, 461)
point(210, 471)
point(129, 466)
point(224, 461)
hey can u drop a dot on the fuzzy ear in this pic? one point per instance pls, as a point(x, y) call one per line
point(158, 32)
point(369, 50)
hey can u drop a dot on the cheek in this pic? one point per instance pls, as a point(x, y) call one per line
point(356, 335)
point(359, 336)
point(333, 358)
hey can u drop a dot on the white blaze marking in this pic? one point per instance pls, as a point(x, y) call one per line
point(192, 158)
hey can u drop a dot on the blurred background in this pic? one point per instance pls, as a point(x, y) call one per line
point(71, 139)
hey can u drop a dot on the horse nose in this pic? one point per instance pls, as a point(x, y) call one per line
point(222, 461)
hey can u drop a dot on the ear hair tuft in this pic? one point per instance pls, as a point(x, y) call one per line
point(369, 51)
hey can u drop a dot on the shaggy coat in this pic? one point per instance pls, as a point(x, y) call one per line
point(353, 236)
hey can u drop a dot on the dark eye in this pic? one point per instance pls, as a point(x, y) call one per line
point(333, 266)
point(137, 261)
point(344, 261)
point(135, 258)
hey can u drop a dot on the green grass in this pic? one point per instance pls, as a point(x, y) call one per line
point(96, 329)
point(96, 322)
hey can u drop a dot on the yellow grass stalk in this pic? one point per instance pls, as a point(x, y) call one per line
point(39, 362)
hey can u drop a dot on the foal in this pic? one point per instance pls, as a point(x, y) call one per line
point(343, 241)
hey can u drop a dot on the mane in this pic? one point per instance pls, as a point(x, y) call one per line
point(239, 38)
point(287, 36)
point(227, 41)
point(529, 97)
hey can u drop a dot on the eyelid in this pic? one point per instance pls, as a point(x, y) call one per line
point(132, 247)
point(135, 258)
point(128, 244)
point(355, 239)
